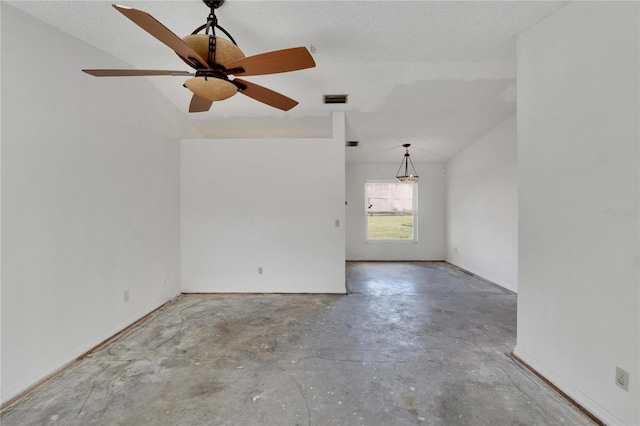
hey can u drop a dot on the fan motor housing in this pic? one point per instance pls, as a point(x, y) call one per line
point(225, 50)
point(213, 4)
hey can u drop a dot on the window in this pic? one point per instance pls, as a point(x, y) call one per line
point(391, 210)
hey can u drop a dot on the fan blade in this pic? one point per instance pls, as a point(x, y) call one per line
point(296, 58)
point(266, 96)
point(163, 34)
point(199, 104)
point(133, 73)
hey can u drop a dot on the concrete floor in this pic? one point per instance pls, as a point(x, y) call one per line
point(413, 344)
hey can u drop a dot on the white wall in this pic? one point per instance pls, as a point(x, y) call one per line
point(90, 198)
point(264, 203)
point(578, 151)
point(482, 207)
point(430, 244)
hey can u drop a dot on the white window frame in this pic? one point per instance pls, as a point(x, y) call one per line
point(414, 214)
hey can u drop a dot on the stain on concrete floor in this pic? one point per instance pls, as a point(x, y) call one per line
point(417, 343)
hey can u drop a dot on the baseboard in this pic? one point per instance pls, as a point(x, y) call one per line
point(592, 410)
point(50, 376)
point(468, 272)
point(236, 293)
point(396, 261)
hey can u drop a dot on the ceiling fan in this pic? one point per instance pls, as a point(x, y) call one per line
point(214, 59)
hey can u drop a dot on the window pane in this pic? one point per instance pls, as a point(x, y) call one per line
point(389, 196)
point(385, 226)
point(389, 210)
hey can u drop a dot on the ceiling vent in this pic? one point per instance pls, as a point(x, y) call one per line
point(335, 99)
point(352, 143)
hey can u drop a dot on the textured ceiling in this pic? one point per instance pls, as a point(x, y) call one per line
point(436, 74)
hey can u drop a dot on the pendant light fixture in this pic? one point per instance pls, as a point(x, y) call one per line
point(407, 178)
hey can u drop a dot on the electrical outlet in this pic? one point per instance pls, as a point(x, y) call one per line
point(126, 296)
point(260, 270)
point(337, 222)
point(622, 378)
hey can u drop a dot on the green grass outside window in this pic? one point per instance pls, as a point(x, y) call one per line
point(389, 226)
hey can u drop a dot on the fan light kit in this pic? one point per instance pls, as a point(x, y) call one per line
point(407, 178)
point(214, 59)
